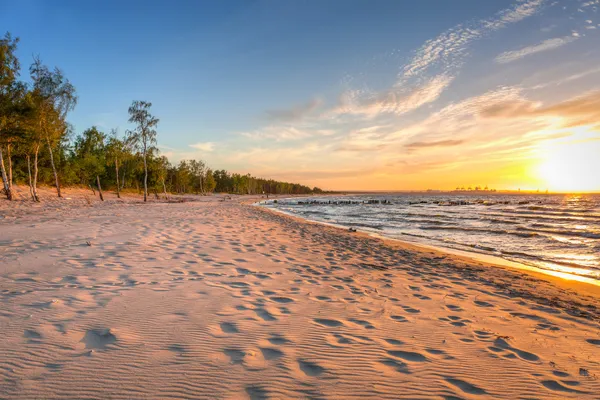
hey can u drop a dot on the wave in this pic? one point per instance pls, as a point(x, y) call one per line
point(544, 234)
point(562, 232)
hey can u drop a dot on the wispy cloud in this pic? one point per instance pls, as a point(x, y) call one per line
point(578, 111)
point(415, 86)
point(438, 143)
point(285, 133)
point(449, 48)
point(204, 146)
point(549, 44)
point(396, 101)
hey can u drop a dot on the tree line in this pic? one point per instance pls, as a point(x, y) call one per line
point(38, 145)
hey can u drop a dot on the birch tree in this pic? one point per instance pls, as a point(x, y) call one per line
point(9, 71)
point(143, 137)
point(54, 96)
point(115, 150)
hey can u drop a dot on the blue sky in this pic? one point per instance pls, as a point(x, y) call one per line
point(341, 94)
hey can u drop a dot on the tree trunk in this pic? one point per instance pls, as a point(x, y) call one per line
point(29, 175)
point(165, 189)
point(53, 166)
point(4, 178)
point(10, 174)
point(145, 176)
point(117, 171)
point(99, 187)
point(35, 173)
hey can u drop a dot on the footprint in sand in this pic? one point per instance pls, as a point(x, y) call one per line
point(264, 314)
point(421, 297)
point(557, 387)
point(483, 335)
point(594, 341)
point(363, 323)
point(270, 353)
point(411, 310)
point(455, 320)
point(310, 368)
point(395, 365)
point(256, 392)
point(332, 323)
point(408, 355)
point(176, 348)
point(398, 318)
point(278, 340)
point(549, 327)
point(466, 387)
point(394, 342)
point(501, 344)
point(283, 300)
point(32, 336)
point(98, 339)
point(236, 356)
point(229, 327)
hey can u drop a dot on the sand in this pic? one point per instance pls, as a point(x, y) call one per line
point(218, 299)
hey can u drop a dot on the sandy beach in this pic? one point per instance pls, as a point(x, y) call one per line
point(215, 298)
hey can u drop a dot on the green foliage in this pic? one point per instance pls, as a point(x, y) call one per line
point(88, 157)
point(34, 116)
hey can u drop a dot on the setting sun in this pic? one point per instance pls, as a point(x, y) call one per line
point(571, 167)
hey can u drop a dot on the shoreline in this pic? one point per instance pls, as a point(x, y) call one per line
point(586, 284)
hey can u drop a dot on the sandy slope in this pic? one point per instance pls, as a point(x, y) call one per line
point(214, 299)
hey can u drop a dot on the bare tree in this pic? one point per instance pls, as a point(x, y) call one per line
point(144, 135)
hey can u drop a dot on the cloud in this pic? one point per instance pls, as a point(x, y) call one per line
point(295, 113)
point(285, 133)
point(412, 89)
point(581, 110)
point(510, 56)
point(438, 143)
point(204, 146)
point(449, 48)
point(396, 101)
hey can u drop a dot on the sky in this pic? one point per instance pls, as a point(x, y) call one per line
point(344, 95)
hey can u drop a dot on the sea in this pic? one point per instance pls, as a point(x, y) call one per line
point(556, 233)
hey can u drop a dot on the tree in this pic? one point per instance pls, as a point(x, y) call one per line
point(89, 155)
point(209, 181)
point(144, 134)
point(197, 169)
point(115, 150)
point(9, 71)
point(163, 170)
point(54, 96)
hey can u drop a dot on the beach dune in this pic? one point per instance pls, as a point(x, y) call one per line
point(219, 299)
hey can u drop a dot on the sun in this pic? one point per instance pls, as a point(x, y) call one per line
point(571, 167)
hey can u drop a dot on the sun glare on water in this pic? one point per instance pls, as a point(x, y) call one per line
point(571, 167)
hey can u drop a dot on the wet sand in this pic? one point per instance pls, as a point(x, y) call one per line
point(214, 298)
